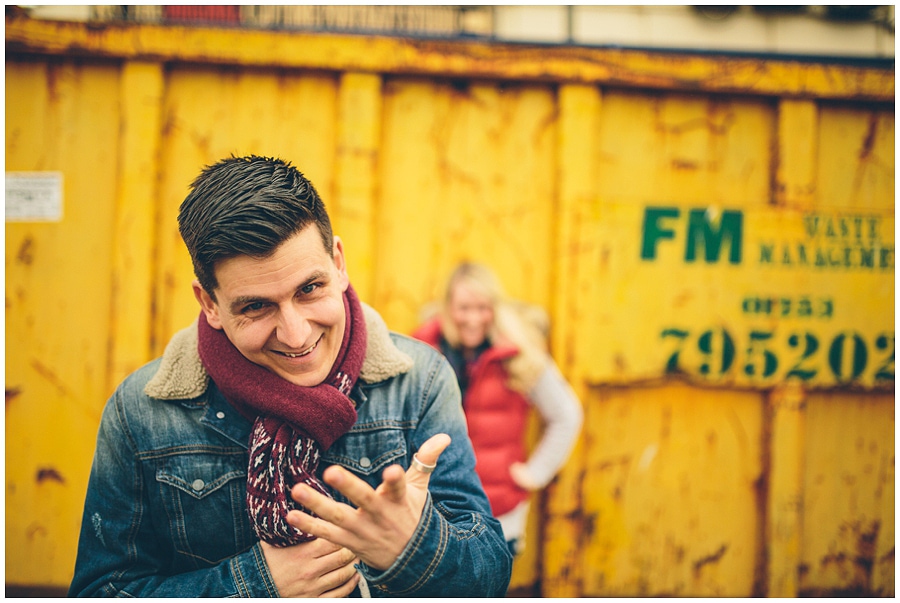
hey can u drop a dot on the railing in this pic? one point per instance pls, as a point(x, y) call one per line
point(426, 21)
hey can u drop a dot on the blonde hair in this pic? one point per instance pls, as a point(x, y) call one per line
point(521, 325)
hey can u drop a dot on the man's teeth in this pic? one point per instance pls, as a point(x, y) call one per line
point(303, 353)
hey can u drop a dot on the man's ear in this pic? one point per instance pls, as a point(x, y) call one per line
point(208, 305)
point(341, 263)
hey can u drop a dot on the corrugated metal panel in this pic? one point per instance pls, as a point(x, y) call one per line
point(848, 495)
point(542, 163)
point(60, 116)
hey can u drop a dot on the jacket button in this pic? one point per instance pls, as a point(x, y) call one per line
point(220, 415)
point(198, 484)
point(365, 462)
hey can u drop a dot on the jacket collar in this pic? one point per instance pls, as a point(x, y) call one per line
point(181, 374)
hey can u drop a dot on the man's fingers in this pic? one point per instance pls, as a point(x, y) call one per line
point(393, 483)
point(356, 490)
point(361, 494)
point(339, 575)
point(344, 590)
point(311, 525)
point(432, 448)
point(428, 455)
point(323, 548)
point(318, 503)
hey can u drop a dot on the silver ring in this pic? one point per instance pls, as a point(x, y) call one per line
point(420, 466)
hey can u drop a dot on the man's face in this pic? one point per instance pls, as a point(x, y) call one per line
point(472, 313)
point(285, 312)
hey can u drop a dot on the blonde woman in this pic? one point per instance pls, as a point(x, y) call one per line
point(497, 350)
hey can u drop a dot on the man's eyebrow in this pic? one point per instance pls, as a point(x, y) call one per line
point(318, 275)
point(239, 302)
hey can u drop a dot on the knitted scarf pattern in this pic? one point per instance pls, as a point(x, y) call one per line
point(292, 426)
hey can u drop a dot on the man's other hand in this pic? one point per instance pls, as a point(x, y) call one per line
point(317, 568)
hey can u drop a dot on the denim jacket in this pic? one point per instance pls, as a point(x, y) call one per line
point(165, 511)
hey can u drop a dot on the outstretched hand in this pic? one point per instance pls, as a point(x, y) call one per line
point(384, 519)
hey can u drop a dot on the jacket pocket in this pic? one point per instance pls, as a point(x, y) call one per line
point(202, 493)
point(368, 452)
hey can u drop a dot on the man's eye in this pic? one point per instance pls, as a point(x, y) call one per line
point(306, 290)
point(254, 307)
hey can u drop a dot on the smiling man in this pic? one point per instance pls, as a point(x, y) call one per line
point(286, 443)
point(255, 299)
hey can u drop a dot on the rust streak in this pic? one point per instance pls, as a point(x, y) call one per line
point(681, 164)
point(714, 558)
point(49, 473)
point(50, 376)
point(26, 252)
point(35, 530)
point(622, 460)
point(869, 142)
point(11, 394)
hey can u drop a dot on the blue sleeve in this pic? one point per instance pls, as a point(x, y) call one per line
point(458, 548)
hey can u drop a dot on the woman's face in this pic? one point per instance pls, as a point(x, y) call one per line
point(472, 312)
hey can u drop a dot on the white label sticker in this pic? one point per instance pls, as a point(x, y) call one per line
point(34, 196)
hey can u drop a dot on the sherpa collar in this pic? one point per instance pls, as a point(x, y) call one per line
point(181, 375)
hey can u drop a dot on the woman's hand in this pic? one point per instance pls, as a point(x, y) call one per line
point(522, 478)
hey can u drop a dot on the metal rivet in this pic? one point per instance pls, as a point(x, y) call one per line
point(220, 415)
point(198, 484)
point(364, 462)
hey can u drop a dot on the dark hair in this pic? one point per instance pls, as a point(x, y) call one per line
point(247, 206)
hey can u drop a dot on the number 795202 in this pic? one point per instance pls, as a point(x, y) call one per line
point(764, 356)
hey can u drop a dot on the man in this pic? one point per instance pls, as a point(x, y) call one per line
point(207, 479)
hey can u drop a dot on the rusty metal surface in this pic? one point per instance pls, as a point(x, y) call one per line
point(619, 68)
point(548, 165)
point(752, 296)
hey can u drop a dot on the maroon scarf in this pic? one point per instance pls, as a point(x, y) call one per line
point(293, 424)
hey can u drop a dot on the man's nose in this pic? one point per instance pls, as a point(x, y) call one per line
point(293, 328)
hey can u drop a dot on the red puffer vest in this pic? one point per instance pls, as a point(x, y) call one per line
point(496, 417)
